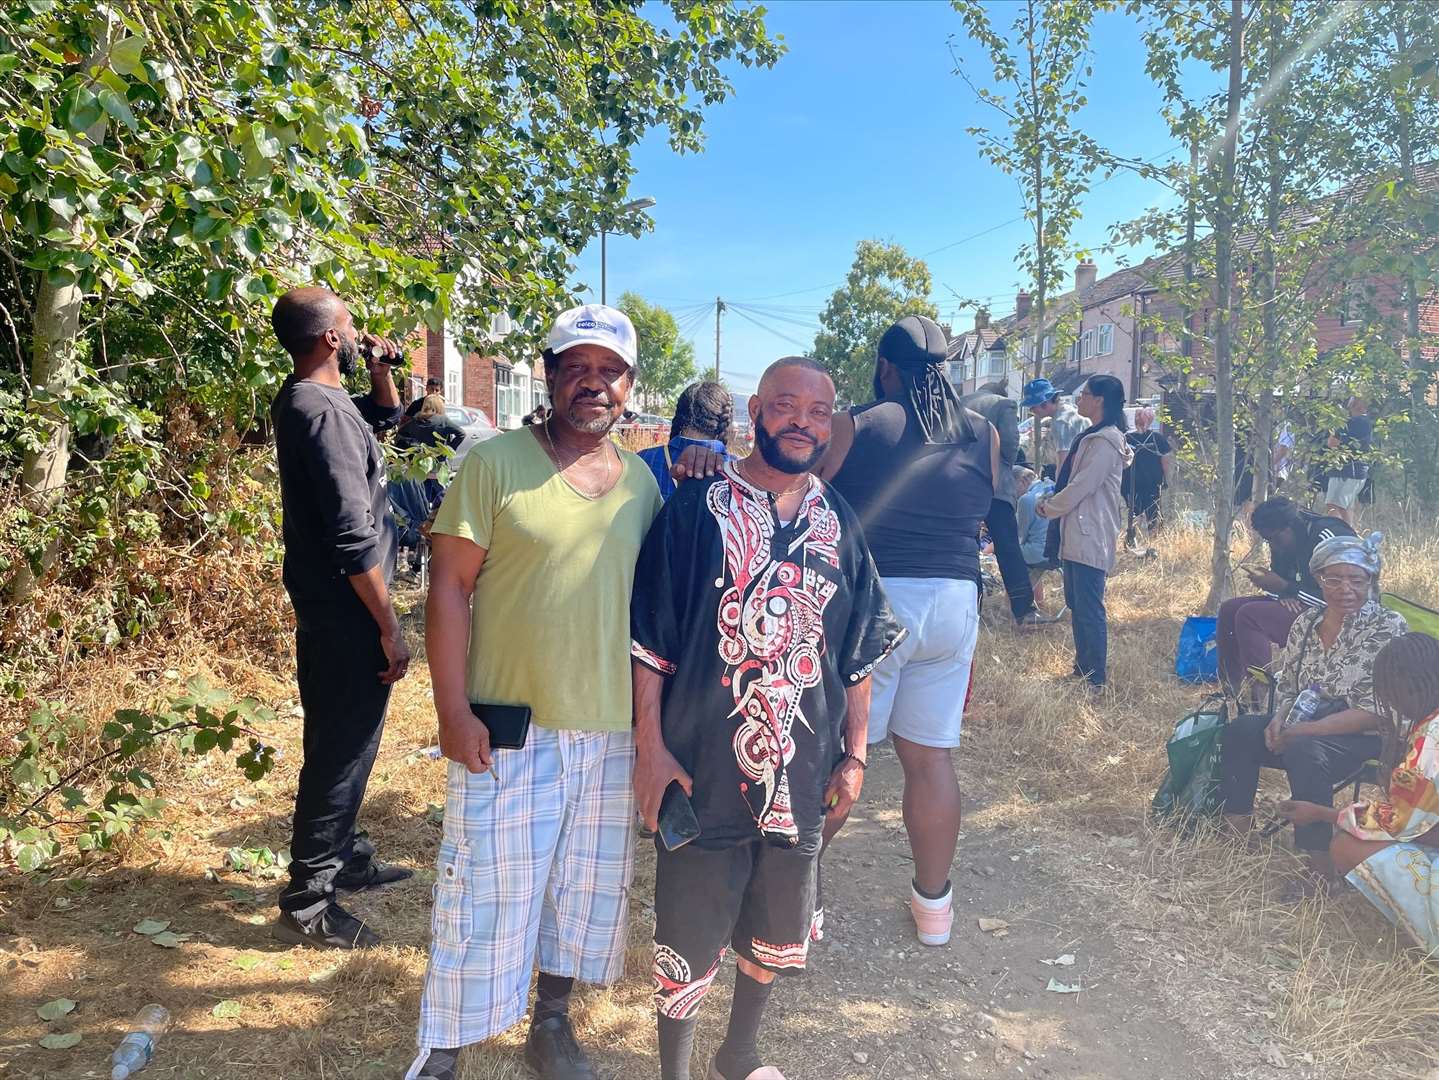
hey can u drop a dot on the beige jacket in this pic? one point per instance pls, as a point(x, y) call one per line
point(1089, 505)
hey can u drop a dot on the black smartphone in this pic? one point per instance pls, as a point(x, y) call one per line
point(677, 822)
point(508, 725)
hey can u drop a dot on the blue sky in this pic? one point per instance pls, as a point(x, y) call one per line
point(858, 132)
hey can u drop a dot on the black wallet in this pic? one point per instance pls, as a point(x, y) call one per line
point(508, 725)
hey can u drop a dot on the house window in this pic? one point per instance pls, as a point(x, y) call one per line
point(1348, 305)
point(505, 414)
point(1047, 349)
point(1106, 339)
point(538, 397)
point(996, 362)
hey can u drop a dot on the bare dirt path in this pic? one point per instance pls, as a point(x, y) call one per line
point(875, 1004)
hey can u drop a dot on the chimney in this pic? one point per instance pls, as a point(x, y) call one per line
point(981, 318)
point(1021, 304)
point(1084, 275)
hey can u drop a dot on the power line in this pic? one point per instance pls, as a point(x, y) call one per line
point(744, 314)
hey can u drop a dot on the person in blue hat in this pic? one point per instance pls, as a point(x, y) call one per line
point(1066, 425)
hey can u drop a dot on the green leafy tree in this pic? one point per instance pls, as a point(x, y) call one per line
point(884, 284)
point(666, 360)
point(178, 165)
point(1036, 82)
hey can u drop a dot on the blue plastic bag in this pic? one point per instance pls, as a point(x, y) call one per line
point(1197, 658)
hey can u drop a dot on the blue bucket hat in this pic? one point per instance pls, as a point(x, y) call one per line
point(1037, 392)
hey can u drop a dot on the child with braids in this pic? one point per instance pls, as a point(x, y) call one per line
point(703, 414)
point(1387, 848)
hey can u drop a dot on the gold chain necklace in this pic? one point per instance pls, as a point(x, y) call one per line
point(803, 482)
point(560, 467)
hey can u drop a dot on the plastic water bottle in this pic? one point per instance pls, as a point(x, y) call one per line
point(1305, 705)
point(138, 1046)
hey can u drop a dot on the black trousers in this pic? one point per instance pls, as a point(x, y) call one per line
point(1314, 764)
point(344, 703)
point(1004, 531)
point(1088, 619)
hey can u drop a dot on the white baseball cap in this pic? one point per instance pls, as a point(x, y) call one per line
point(595, 324)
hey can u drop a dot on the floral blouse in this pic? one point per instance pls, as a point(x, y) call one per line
point(1412, 807)
point(1345, 671)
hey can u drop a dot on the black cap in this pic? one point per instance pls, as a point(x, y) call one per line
point(913, 342)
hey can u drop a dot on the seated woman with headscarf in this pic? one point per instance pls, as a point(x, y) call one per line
point(1387, 847)
point(1325, 721)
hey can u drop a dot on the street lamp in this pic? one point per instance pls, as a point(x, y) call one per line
point(642, 203)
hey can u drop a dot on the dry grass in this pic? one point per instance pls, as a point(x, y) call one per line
point(1337, 983)
point(1326, 978)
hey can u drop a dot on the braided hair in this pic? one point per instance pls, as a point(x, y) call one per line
point(1406, 687)
point(705, 407)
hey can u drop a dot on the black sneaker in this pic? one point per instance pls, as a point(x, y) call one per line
point(375, 874)
point(552, 1053)
point(332, 928)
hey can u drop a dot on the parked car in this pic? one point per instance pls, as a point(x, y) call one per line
point(476, 426)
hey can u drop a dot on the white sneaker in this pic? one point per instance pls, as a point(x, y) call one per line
point(933, 919)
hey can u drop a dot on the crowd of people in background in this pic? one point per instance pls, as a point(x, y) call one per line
point(711, 644)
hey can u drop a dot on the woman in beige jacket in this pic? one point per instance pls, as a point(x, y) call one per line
point(1086, 503)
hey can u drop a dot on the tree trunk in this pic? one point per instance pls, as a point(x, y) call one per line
point(1261, 443)
point(54, 346)
point(1421, 375)
point(1224, 297)
point(1041, 249)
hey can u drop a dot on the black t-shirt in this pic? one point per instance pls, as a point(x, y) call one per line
point(336, 508)
point(920, 503)
point(1354, 443)
point(1294, 567)
point(1148, 446)
point(758, 628)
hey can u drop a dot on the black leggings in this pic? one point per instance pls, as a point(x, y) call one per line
point(1314, 764)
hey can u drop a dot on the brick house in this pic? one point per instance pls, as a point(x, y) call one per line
point(503, 389)
point(1094, 328)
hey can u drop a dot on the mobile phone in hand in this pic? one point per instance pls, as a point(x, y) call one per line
point(677, 822)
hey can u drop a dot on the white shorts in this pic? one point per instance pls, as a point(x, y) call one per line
point(1343, 492)
point(918, 693)
point(539, 862)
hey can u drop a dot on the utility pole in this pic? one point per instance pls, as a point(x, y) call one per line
point(719, 308)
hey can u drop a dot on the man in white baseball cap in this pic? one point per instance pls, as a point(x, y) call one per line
point(595, 324)
point(534, 556)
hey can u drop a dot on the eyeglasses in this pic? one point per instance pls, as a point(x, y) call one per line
point(1352, 582)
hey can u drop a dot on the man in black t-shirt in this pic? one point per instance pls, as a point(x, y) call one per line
point(757, 618)
point(339, 555)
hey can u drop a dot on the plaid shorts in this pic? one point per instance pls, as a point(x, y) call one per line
point(542, 858)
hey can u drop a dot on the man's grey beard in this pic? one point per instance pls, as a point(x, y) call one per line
point(598, 426)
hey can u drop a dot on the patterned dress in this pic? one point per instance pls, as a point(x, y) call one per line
point(1399, 880)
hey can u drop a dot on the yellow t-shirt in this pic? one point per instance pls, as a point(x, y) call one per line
point(550, 617)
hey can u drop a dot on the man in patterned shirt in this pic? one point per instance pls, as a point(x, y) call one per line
point(757, 617)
